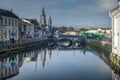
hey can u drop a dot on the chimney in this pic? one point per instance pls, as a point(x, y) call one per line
point(10, 9)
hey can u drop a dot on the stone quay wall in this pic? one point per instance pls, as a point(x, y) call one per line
point(8, 47)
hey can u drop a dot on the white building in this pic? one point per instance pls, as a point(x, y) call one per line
point(29, 27)
point(100, 30)
point(92, 31)
point(71, 33)
point(116, 30)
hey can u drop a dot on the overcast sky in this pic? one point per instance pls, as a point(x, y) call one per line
point(77, 13)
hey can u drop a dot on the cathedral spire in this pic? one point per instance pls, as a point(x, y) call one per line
point(43, 18)
point(49, 21)
point(43, 11)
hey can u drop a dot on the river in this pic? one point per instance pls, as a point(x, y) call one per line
point(56, 64)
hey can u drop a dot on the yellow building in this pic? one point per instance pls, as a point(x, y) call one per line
point(9, 23)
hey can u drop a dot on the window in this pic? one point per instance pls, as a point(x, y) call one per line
point(1, 21)
point(9, 70)
point(5, 21)
point(5, 33)
point(9, 33)
point(24, 28)
point(12, 22)
point(5, 71)
point(15, 22)
point(1, 72)
point(118, 33)
point(9, 21)
point(12, 69)
point(16, 33)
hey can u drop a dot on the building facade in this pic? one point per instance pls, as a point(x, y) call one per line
point(36, 27)
point(9, 25)
point(22, 30)
point(27, 28)
point(115, 14)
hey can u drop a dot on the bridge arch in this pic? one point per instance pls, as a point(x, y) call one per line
point(51, 42)
point(65, 42)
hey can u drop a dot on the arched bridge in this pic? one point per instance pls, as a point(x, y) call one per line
point(67, 41)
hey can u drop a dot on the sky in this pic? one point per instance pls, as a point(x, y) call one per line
point(76, 13)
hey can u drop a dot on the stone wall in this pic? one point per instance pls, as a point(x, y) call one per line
point(24, 46)
point(114, 60)
point(100, 45)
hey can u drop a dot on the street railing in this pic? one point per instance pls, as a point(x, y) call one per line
point(4, 44)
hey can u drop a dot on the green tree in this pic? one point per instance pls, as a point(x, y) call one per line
point(70, 28)
point(83, 29)
point(62, 29)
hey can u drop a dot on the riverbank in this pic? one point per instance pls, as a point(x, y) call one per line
point(24, 46)
point(106, 48)
point(102, 46)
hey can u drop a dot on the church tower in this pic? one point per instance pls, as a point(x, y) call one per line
point(50, 23)
point(43, 18)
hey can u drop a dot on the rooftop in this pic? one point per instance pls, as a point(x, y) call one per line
point(7, 13)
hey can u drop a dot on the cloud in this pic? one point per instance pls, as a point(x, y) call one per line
point(98, 7)
point(107, 4)
point(72, 12)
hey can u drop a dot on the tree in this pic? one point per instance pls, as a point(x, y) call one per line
point(70, 29)
point(62, 29)
point(83, 29)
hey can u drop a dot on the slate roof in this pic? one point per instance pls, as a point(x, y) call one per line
point(7, 13)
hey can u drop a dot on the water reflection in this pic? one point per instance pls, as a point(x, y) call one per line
point(10, 64)
point(43, 57)
point(105, 56)
point(56, 61)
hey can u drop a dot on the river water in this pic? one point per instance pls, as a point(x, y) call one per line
point(55, 64)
